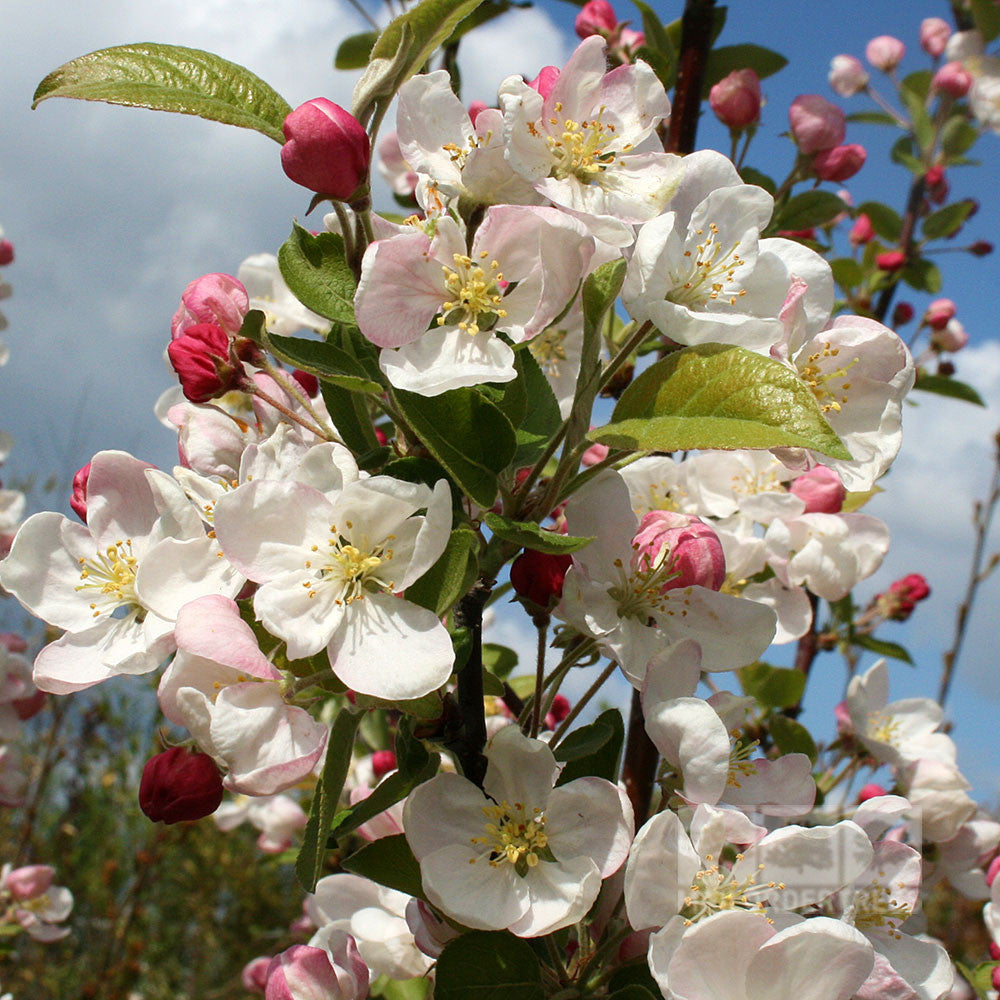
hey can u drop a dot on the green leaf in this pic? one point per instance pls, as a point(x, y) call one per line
point(170, 78)
point(529, 535)
point(847, 272)
point(350, 415)
point(718, 396)
point(872, 118)
point(882, 647)
point(402, 49)
point(723, 60)
point(488, 965)
point(885, 221)
point(980, 977)
point(339, 749)
point(594, 749)
point(659, 50)
point(466, 433)
point(902, 153)
point(791, 737)
point(390, 862)
point(635, 973)
point(958, 136)
point(451, 576)
point(354, 50)
point(947, 221)
point(254, 326)
point(923, 275)
point(315, 268)
point(986, 17)
point(400, 989)
point(499, 660)
point(808, 209)
point(773, 687)
point(541, 417)
point(324, 359)
point(913, 92)
point(414, 766)
point(751, 176)
point(943, 385)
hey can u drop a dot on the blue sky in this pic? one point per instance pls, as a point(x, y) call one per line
point(113, 211)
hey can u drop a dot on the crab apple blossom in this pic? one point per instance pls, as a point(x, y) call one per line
point(736, 99)
point(583, 144)
point(934, 35)
point(631, 607)
point(28, 895)
point(847, 76)
point(820, 489)
point(596, 17)
point(514, 854)
point(862, 231)
point(331, 569)
point(220, 299)
point(178, 785)
point(116, 584)
point(523, 268)
point(839, 163)
point(326, 149)
point(334, 971)
point(278, 817)
point(816, 124)
point(885, 52)
point(701, 272)
point(952, 79)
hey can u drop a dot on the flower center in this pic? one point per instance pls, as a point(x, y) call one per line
point(740, 766)
point(883, 727)
point(874, 907)
point(821, 382)
point(579, 150)
point(710, 276)
point(475, 291)
point(515, 835)
point(351, 569)
point(549, 350)
point(714, 889)
point(110, 575)
point(642, 592)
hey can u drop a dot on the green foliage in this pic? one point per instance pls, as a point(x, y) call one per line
point(791, 737)
point(451, 576)
point(723, 60)
point(923, 275)
point(466, 433)
point(773, 687)
point(499, 660)
point(847, 272)
point(324, 359)
point(882, 647)
point(947, 221)
point(541, 417)
point(170, 78)
point(944, 385)
point(751, 176)
point(355, 50)
point(340, 748)
point(529, 535)
point(593, 749)
point(958, 136)
point(488, 965)
point(808, 209)
point(885, 221)
point(315, 268)
point(717, 396)
point(987, 19)
point(390, 862)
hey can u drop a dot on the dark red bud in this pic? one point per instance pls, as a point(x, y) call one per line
point(203, 360)
point(6, 252)
point(78, 501)
point(539, 577)
point(179, 784)
point(981, 248)
point(309, 382)
point(383, 761)
point(902, 314)
point(891, 260)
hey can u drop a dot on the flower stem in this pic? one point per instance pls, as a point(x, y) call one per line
point(542, 627)
point(582, 703)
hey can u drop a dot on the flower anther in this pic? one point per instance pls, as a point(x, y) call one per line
point(111, 575)
point(712, 274)
point(515, 834)
point(476, 291)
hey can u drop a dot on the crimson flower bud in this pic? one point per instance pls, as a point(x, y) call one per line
point(902, 314)
point(945, 368)
point(684, 546)
point(995, 951)
point(545, 80)
point(597, 17)
point(847, 76)
point(891, 260)
point(383, 761)
point(934, 35)
point(213, 298)
point(839, 163)
point(885, 52)
point(560, 708)
point(934, 176)
point(862, 231)
point(6, 253)
point(821, 490)
point(816, 123)
point(981, 248)
point(952, 79)
point(179, 784)
point(78, 501)
point(736, 99)
point(204, 362)
point(539, 576)
point(902, 597)
point(308, 381)
point(594, 454)
point(798, 234)
point(870, 791)
point(29, 706)
point(326, 150)
point(939, 312)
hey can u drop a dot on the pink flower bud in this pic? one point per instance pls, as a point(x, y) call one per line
point(902, 596)
point(821, 490)
point(29, 882)
point(862, 231)
point(308, 382)
point(560, 707)
point(631, 41)
point(816, 123)
point(597, 17)
point(203, 360)
point(430, 932)
point(78, 501)
point(736, 99)
point(798, 234)
point(326, 150)
point(475, 109)
point(683, 546)
point(6, 253)
point(902, 314)
point(937, 185)
point(254, 974)
point(981, 248)
point(303, 972)
point(991, 872)
point(179, 784)
point(213, 298)
point(952, 338)
point(13, 642)
point(539, 576)
point(939, 312)
point(885, 52)
point(594, 454)
point(891, 260)
point(952, 79)
point(383, 761)
point(545, 80)
point(839, 163)
point(934, 35)
point(845, 727)
point(847, 76)
point(870, 791)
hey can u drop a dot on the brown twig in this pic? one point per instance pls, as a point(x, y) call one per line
point(696, 41)
point(914, 201)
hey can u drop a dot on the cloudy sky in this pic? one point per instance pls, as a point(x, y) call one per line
point(112, 211)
